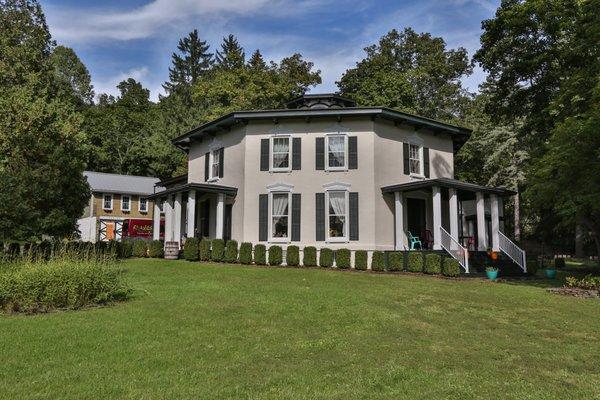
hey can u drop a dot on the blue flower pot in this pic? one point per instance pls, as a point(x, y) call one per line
point(492, 275)
point(551, 273)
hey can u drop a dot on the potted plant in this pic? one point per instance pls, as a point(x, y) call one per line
point(492, 273)
point(550, 271)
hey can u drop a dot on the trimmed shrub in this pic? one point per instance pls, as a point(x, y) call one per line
point(559, 263)
point(260, 254)
point(126, 249)
point(191, 249)
point(361, 259)
point(231, 251)
point(292, 256)
point(310, 257)
point(156, 249)
point(275, 255)
point(451, 267)
point(140, 248)
point(246, 253)
point(342, 258)
point(326, 258)
point(218, 250)
point(433, 264)
point(415, 261)
point(378, 261)
point(205, 245)
point(395, 261)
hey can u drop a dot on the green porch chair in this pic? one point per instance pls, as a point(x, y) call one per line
point(413, 241)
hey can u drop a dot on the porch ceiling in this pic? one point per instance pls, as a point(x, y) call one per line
point(199, 187)
point(446, 183)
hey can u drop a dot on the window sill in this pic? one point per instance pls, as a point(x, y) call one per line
point(211, 180)
point(337, 240)
point(279, 241)
point(336, 169)
point(417, 176)
point(280, 170)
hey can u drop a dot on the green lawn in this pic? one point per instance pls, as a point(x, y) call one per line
point(223, 331)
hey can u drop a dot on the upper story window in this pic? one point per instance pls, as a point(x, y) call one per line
point(337, 152)
point(125, 203)
point(415, 159)
point(337, 216)
point(143, 205)
point(107, 202)
point(280, 153)
point(280, 216)
point(215, 164)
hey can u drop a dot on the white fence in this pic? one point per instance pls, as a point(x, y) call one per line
point(508, 247)
point(455, 249)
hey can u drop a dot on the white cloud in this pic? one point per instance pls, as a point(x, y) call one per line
point(141, 74)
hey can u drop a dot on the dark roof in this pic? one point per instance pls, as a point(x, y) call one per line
point(172, 180)
point(447, 183)
point(200, 187)
point(224, 123)
point(326, 100)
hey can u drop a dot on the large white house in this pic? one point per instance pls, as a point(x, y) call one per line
point(326, 173)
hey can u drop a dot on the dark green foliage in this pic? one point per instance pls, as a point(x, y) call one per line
point(532, 267)
point(156, 249)
point(361, 259)
point(218, 250)
point(433, 264)
point(126, 248)
point(140, 248)
point(260, 254)
point(559, 263)
point(275, 255)
point(292, 256)
point(310, 256)
point(395, 261)
point(205, 245)
point(451, 267)
point(246, 253)
point(415, 261)
point(231, 252)
point(326, 258)
point(191, 249)
point(342, 258)
point(378, 261)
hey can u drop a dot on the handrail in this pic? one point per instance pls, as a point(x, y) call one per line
point(455, 249)
point(513, 251)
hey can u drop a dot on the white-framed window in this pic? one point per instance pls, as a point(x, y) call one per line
point(280, 218)
point(214, 164)
point(337, 215)
point(336, 152)
point(125, 203)
point(415, 159)
point(281, 149)
point(107, 202)
point(143, 204)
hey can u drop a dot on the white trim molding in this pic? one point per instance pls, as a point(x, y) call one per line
point(328, 136)
point(112, 199)
point(271, 152)
point(337, 186)
point(280, 187)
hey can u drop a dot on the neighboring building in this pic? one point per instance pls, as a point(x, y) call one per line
point(119, 207)
point(326, 173)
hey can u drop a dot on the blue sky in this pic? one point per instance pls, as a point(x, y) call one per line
point(120, 39)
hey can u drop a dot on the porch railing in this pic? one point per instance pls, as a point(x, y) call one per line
point(455, 249)
point(513, 251)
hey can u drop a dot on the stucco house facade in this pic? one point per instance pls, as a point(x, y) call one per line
point(326, 173)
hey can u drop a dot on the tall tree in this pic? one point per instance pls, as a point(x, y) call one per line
point(256, 61)
point(232, 55)
point(72, 80)
point(412, 72)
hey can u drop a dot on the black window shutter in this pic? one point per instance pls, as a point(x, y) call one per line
point(221, 161)
point(263, 217)
point(320, 207)
point(296, 206)
point(320, 153)
point(264, 154)
point(426, 162)
point(296, 153)
point(353, 208)
point(206, 166)
point(352, 152)
point(405, 155)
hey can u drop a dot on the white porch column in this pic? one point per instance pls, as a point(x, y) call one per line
point(219, 216)
point(453, 204)
point(399, 220)
point(437, 217)
point(495, 222)
point(481, 242)
point(156, 220)
point(168, 207)
point(191, 213)
point(177, 219)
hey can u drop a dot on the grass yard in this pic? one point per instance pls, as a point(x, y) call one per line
point(224, 331)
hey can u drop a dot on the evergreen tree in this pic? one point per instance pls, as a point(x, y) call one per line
point(232, 55)
point(191, 63)
point(257, 62)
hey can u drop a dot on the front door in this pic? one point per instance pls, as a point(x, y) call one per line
point(416, 216)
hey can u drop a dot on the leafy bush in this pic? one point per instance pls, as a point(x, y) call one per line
point(275, 255)
point(310, 257)
point(292, 256)
point(588, 282)
point(433, 264)
point(326, 258)
point(342, 258)
point(246, 253)
point(415, 261)
point(378, 261)
point(559, 262)
point(532, 267)
point(218, 250)
point(451, 267)
point(126, 248)
point(205, 245)
point(156, 249)
point(260, 254)
point(360, 260)
point(191, 249)
point(140, 248)
point(231, 251)
point(395, 261)
point(59, 284)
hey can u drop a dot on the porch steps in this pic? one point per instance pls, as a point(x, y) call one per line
point(479, 260)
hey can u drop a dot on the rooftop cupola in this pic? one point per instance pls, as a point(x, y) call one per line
point(320, 101)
